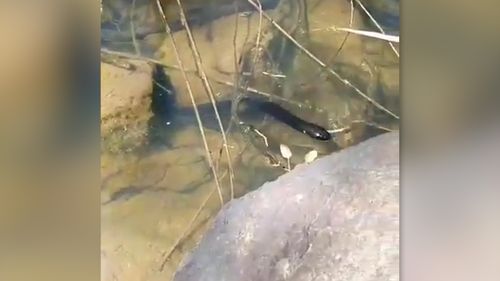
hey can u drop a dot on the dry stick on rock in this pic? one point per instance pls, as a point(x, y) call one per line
point(322, 64)
point(193, 102)
point(377, 25)
point(208, 88)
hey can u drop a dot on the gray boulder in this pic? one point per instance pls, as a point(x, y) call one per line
point(334, 219)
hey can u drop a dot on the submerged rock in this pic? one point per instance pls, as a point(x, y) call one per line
point(385, 12)
point(334, 219)
point(126, 96)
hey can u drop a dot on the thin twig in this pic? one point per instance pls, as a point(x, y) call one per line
point(343, 129)
point(193, 102)
point(162, 87)
point(377, 25)
point(220, 81)
point(323, 65)
point(236, 72)
point(259, 31)
point(257, 52)
point(208, 88)
point(262, 93)
point(371, 34)
point(166, 255)
point(132, 29)
point(372, 125)
point(235, 49)
point(239, 70)
point(351, 19)
point(340, 130)
point(134, 57)
point(262, 135)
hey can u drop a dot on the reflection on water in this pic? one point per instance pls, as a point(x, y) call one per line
point(158, 199)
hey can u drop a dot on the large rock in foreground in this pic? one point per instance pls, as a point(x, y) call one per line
point(334, 219)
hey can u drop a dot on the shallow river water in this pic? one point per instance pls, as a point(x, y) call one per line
point(157, 200)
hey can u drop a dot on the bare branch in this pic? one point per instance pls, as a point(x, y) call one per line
point(377, 25)
point(209, 90)
point(193, 102)
point(323, 65)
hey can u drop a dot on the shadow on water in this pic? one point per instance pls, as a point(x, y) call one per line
point(168, 117)
point(163, 106)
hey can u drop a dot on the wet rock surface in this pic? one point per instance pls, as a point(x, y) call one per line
point(334, 219)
